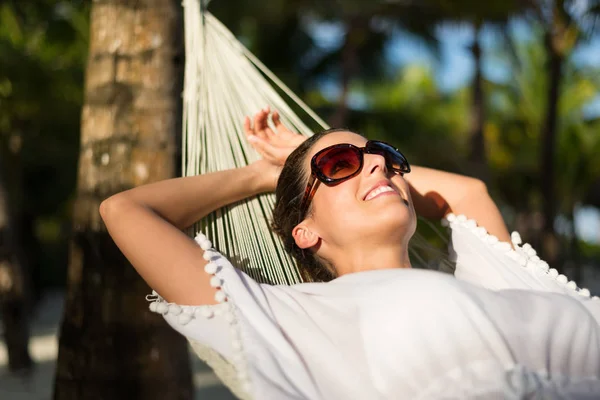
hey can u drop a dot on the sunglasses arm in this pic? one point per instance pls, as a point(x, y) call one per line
point(311, 187)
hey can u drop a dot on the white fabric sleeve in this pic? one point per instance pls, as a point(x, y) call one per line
point(243, 329)
point(483, 260)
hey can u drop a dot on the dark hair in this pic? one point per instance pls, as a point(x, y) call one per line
point(286, 214)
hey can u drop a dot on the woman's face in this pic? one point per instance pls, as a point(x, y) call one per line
point(349, 214)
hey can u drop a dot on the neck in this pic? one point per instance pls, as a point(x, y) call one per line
point(371, 258)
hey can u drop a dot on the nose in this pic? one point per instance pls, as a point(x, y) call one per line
point(374, 163)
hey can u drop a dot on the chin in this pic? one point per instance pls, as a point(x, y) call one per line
point(399, 220)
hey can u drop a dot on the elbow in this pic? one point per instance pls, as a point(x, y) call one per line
point(473, 190)
point(477, 187)
point(110, 207)
point(106, 208)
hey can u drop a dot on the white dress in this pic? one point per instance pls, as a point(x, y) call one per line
point(505, 326)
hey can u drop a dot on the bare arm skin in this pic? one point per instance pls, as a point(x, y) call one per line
point(437, 193)
point(146, 224)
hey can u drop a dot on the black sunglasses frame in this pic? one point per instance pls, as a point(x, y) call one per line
point(371, 147)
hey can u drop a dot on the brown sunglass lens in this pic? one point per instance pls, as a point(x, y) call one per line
point(339, 163)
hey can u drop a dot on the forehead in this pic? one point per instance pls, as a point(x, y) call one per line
point(337, 138)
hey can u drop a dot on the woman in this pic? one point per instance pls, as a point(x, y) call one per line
point(377, 329)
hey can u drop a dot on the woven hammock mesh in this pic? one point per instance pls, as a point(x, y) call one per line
point(223, 83)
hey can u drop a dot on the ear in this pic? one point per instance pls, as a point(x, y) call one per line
point(304, 237)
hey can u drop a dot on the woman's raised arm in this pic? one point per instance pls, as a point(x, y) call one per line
point(146, 222)
point(437, 193)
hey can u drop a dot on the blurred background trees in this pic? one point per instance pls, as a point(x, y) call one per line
point(522, 110)
point(42, 50)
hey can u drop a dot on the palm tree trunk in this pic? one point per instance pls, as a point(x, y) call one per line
point(111, 346)
point(548, 135)
point(574, 250)
point(477, 155)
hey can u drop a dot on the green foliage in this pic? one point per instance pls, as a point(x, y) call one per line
point(516, 114)
point(43, 48)
point(42, 57)
point(396, 113)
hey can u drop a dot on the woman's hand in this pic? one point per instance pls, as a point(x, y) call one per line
point(273, 145)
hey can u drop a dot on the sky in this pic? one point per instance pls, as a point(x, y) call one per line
point(454, 69)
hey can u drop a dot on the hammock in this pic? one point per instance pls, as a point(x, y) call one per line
point(223, 83)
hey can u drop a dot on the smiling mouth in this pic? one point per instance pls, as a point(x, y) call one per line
point(381, 190)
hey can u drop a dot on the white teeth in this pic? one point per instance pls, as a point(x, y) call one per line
point(377, 191)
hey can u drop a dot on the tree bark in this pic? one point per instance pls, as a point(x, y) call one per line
point(477, 150)
point(574, 250)
point(111, 346)
point(548, 135)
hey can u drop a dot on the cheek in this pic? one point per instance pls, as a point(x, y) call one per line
point(336, 205)
point(401, 184)
point(338, 210)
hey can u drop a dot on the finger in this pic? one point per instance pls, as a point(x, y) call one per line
point(247, 126)
point(270, 133)
point(256, 121)
point(260, 123)
point(264, 149)
point(281, 128)
point(274, 154)
point(266, 113)
point(277, 121)
point(266, 132)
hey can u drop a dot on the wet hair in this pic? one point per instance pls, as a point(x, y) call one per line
point(286, 214)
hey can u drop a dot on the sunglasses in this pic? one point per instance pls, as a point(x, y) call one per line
point(338, 163)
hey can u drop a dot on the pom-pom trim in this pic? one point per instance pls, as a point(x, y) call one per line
point(523, 253)
point(224, 308)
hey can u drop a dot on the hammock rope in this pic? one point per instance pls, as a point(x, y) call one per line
point(223, 83)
